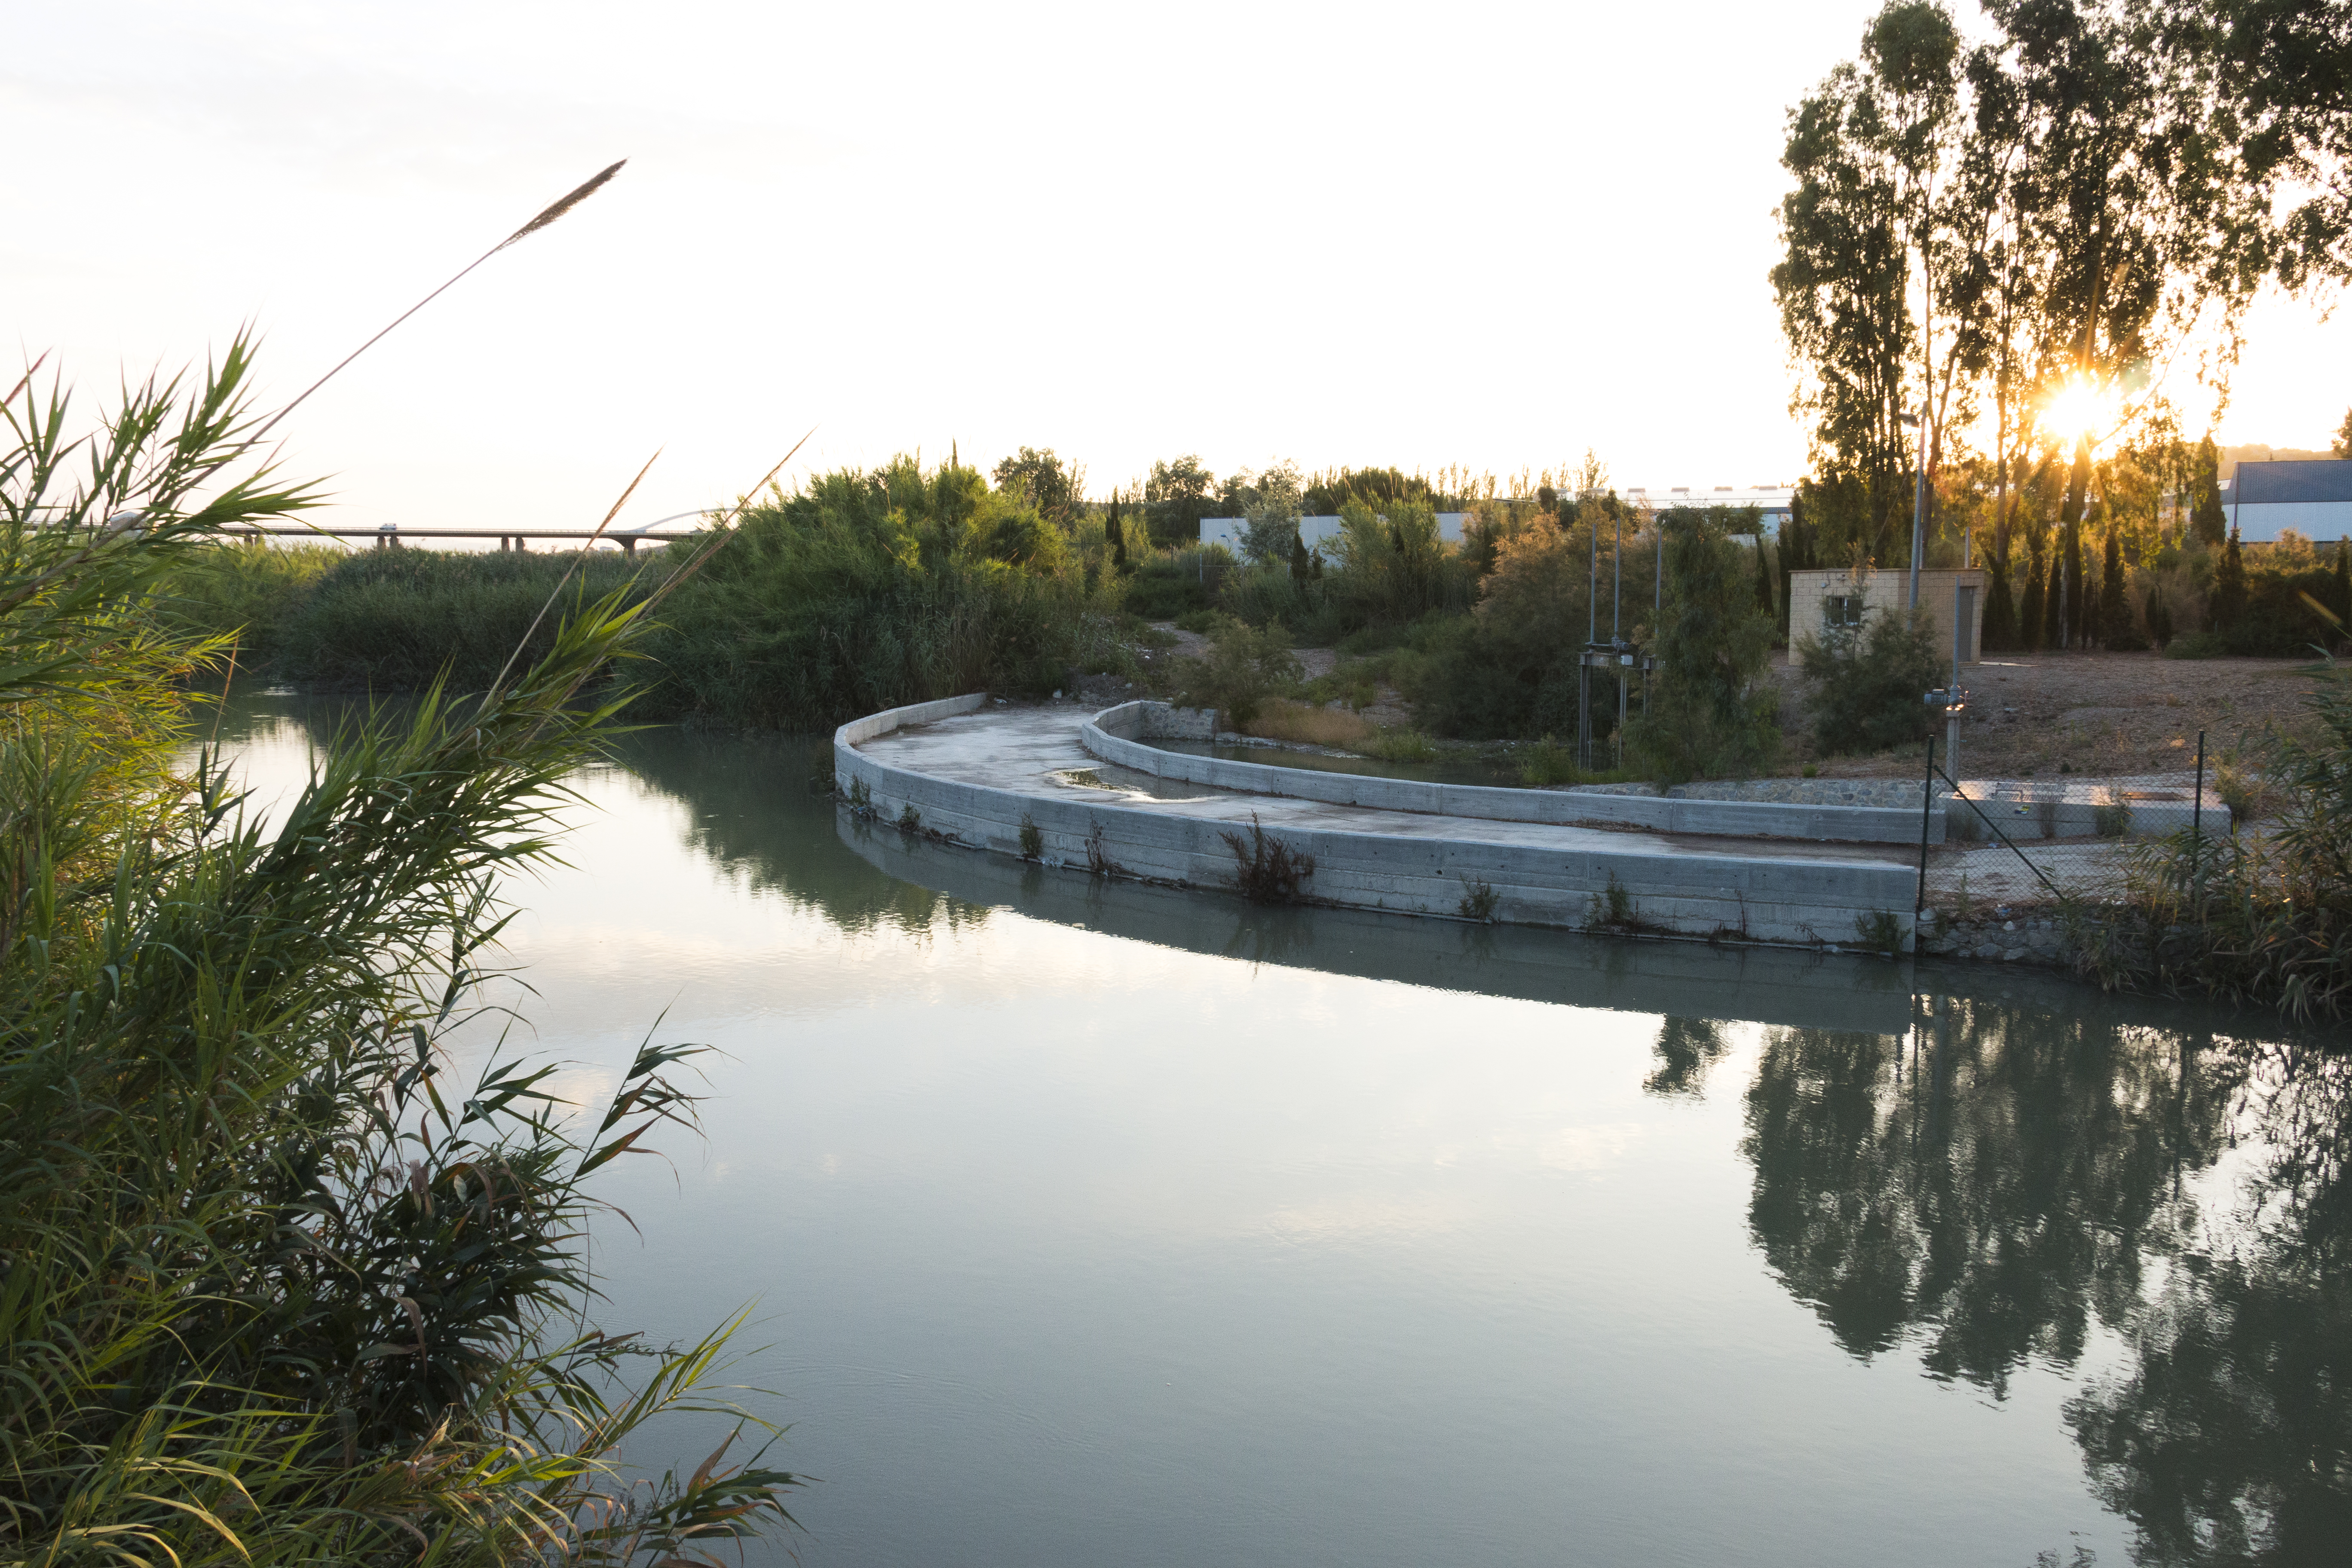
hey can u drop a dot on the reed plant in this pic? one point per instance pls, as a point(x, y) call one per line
point(2264, 916)
point(401, 620)
point(273, 1289)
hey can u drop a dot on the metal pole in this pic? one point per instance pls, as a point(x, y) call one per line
point(1918, 525)
point(1617, 582)
point(2197, 828)
point(1952, 725)
point(1926, 802)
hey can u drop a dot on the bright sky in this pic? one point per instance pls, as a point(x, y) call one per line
point(1366, 233)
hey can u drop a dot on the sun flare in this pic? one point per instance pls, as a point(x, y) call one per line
point(2081, 407)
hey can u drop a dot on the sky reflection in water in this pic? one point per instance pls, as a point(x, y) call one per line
point(1102, 1225)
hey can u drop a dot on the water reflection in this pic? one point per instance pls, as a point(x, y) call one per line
point(729, 786)
point(1712, 1248)
point(2004, 1182)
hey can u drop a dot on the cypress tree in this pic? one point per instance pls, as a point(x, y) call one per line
point(1117, 532)
point(2115, 607)
point(2075, 619)
point(1763, 580)
point(2229, 605)
point(2206, 523)
point(1300, 572)
point(2029, 613)
point(2053, 598)
point(2000, 611)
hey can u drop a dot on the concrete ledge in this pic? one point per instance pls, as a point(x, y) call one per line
point(1118, 735)
point(1658, 891)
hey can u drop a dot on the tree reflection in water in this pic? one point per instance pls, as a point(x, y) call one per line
point(1990, 1188)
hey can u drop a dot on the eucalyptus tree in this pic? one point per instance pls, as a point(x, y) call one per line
point(1866, 149)
point(2051, 217)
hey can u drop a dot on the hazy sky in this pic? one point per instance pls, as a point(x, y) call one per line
point(1492, 235)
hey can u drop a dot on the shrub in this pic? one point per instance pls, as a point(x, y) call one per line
point(866, 590)
point(1549, 762)
point(2257, 917)
point(1868, 686)
point(1262, 595)
point(1398, 747)
point(1267, 870)
point(1245, 667)
point(1710, 712)
point(1166, 588)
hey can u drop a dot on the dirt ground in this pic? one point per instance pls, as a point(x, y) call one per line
point(2032, 715)
point(2097, 713)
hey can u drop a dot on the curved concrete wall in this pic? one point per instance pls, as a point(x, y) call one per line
point(1113, 735)
point(1790, 899)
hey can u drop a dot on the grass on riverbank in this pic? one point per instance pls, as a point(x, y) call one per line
point(860, 591)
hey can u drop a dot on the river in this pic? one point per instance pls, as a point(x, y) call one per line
point(1095, 1225)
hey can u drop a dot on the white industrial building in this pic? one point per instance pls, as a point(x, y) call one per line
point(1316, 531)
point(2313, 497)
point(1772, 501)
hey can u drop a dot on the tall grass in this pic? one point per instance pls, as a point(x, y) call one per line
point(388, 620)
point(248, 591)
point(272, 1288)
point(2264, 918)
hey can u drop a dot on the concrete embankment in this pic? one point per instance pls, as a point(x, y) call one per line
point(979, 773)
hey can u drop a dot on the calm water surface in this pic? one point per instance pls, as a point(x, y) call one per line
point(1097, 1225)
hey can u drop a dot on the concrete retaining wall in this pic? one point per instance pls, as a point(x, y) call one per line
point(1117, 735)
point(1788, 899)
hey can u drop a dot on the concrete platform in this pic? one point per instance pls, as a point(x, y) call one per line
point(972, 772)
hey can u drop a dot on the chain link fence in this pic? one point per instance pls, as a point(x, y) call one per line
point(2014, 856)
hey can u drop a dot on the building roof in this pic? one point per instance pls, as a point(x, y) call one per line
point(2271, 484)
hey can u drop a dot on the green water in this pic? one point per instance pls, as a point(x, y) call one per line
point(1102, 1225)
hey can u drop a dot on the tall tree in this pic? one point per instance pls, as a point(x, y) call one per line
point(1176, 498)
point(1055, 488)
point(2207, 525)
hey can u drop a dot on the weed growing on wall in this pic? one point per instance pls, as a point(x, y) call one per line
point(1265, 870)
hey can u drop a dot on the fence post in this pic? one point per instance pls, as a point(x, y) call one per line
point(2197, 829)
point(1927, 805)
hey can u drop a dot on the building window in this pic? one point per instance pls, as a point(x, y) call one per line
point(1841, 610)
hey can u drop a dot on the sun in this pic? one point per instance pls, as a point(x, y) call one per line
point(2081, 407)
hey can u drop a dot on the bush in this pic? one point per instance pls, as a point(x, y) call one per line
point(2257, 917)
point(1710, 713)
point(1262, 595)
point(1398, 747)
point(1868, 686)
point(867, 590)
point(1243, 667)
point(1164, 587)
point(1265, 870)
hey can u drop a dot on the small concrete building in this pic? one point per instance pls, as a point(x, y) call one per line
point(1820, 601)
point(2313, 497)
